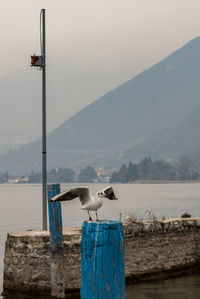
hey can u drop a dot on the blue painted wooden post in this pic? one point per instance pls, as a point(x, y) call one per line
point(56, 243)
point(103, 265)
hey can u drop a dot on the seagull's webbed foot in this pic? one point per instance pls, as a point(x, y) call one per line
point(90, 218)
point(97, 219)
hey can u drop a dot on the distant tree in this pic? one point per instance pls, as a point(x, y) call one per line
point(66, 175)
point(123, 174)
point(120, 176)
point(87, 175)
point(2, 180)
point(114, 177)
point(156, 170)
point(55, 175)
point(35, 178)
point(132, 172)
point(145, 165)
point(60, 175)
point(186, 169)
point(6, 177)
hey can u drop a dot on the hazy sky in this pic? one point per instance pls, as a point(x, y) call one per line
point(92, 47)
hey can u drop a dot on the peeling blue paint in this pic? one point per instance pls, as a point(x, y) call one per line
point(55, 218)
point(56, 243)
point(102, 259)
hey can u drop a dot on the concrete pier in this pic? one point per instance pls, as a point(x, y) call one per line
point(152, 249)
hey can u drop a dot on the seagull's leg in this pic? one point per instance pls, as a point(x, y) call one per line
point(97, 219)
point(90, 218)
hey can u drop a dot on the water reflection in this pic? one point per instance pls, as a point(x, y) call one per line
point(185, 287)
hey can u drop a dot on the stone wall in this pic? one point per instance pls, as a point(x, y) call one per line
point(152, 248)
point(160, 247)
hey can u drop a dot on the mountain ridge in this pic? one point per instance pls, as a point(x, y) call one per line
point(136, 111)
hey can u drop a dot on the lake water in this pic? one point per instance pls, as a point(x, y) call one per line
point(20, 209)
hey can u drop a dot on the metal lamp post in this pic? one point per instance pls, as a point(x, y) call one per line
point(40, 62)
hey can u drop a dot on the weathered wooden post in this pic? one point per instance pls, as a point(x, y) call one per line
point(56, 243)
point(102, 258)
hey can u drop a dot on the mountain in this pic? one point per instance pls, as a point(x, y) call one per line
point(20, 96)
point(183, 139)
point(124, 121)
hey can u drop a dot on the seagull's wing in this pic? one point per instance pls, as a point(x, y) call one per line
point(109, 193)
point(81, 192)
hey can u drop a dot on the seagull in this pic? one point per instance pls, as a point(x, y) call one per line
point(89, 202)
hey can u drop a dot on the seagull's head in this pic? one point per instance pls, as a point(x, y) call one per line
point(101, 194)
point(107, 193)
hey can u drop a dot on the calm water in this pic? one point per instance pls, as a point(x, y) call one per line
point(20, 209)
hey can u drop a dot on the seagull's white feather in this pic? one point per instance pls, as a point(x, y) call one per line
point(89, 203)
point(93, 204)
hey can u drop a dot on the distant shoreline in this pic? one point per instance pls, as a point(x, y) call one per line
point(134, 182)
